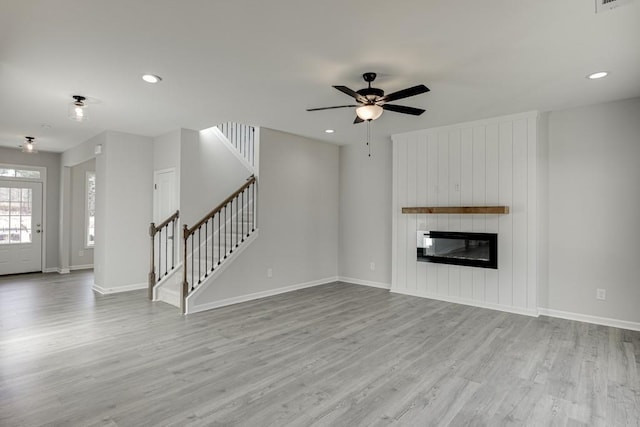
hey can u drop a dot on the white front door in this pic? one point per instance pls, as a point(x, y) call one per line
point(20, 227)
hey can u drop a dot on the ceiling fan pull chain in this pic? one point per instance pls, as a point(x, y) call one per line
point(369, 136)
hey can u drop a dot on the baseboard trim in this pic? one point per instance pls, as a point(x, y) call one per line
point(119, 289)
point(604, 321)
point(56, 270)
point(81, 267)
point(464, 301)
point(257, 295)
point(365, 282)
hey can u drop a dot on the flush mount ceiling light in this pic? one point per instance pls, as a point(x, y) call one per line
point(77, 109)
point(151, 78)
point(329, 131)
point(598, 75)
point(28, 145)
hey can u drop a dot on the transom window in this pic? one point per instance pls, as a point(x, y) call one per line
point(19, 173)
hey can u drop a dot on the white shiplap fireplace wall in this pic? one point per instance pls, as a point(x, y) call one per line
point(488, 162)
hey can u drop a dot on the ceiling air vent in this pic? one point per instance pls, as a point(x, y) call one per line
point(607, 5)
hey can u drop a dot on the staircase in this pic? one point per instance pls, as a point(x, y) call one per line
point(211, 244)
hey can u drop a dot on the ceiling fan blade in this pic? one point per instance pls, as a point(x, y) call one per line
point(358, 120)
point(330, 108)
point(403, 109)
point(352, 93)
point(405, 93)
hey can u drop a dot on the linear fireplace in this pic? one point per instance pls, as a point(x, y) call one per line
point(458, 248)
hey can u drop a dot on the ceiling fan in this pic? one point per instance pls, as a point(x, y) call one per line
point(372, 101)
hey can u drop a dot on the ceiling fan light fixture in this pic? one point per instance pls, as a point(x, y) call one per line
point(77, 109)
point(369, 112)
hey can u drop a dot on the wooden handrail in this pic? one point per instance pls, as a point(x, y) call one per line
point(155, 228)
point(189, 231)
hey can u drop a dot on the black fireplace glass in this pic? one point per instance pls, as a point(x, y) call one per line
point(458, 248)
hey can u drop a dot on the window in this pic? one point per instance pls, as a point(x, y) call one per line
point(19, 173)
point(91, 209)
point(15, 215)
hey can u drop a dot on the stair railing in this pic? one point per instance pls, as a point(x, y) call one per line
point(213, 239)
point(166, 244)
point(242, 137)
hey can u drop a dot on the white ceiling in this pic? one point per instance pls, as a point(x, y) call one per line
point(265, 62)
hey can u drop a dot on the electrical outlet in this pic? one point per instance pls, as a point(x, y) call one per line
point(457, 187)
point(372, 265)
point(80, 253)
point(269, 272)
point(601, 294)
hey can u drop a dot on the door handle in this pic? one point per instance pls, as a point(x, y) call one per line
point(38, 231)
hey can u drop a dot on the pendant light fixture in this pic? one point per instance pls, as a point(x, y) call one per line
point(78, 109)
point(28, 146)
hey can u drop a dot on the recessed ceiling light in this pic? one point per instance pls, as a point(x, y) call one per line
point(151, 78)
point(329, 131)
point(598, 75)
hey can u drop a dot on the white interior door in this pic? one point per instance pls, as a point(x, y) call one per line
point(165, 204)
point(20, 227)
point(164, 195)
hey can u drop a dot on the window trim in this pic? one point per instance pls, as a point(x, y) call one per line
point(88, 174)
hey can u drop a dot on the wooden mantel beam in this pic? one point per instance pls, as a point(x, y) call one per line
point(457, 210)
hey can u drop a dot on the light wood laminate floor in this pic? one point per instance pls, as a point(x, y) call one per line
point(332, 355)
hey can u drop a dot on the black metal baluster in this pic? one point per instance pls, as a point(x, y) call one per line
point(173, 243)
point(206, 227)
point(237, 224)
point(225, 231)
point(199, 257)
point(253, 207)
point(242, 216)
point(192, 255)
point(213, 242)
point(160, 255)
point(231, 223)
point(166, 250)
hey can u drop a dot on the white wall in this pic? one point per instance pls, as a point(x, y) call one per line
point(297, 217)
point(75, 156)
point(80, 255)
point(166, 151)
point(365, 214)
point(166, 155)
point(489, 162)
point(209, 174)
point(594, 199)
point(124, 204)
point(50, 161)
